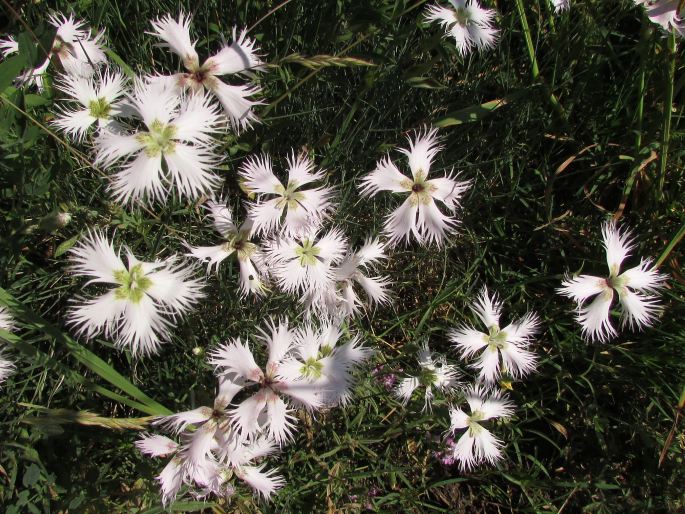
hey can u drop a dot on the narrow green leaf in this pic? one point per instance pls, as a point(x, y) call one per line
point(65, 246)
point(120, 62)
point(83, 355)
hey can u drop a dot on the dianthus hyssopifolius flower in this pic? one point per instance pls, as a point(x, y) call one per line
point(94, 100)
point(238, 58)
point(174, 147)
point(145, 302)
point(306, 264)
point(561, 5)
point(501, 350)
point(210, 453)
point(669, 14)
point(434, 373)
point(269, 408)
point(76, 48)
point(289, 209)
point(351, 274)
point(238, 242)
point(418, 215)
point(467, 22)
point(318, 357)
point(635, 288)
point(6, 365)
point(477, 444)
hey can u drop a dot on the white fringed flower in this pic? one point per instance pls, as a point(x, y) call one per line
point(477, 444)
point(74, 45)
point(97, 100)
point(138, 313)
point(6, 365)
point(318, 358)
point(503, 350)
point(177, 133)
point(435, 373)
point(354, 270)
point(270, 407)
point(237, 241)
point(561, 5)
point(211, 453)
point(305, 265)
point(666, 14)
point(238, 58)
point(467, 22)
point(419, 214)
point(287, 208)
point(635, 287)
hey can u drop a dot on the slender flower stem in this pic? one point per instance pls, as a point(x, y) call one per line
point(534, 68)
point(645, 37)
point(674, 242)
point(668, 111)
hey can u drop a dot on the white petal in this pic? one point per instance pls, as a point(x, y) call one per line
point(174, 287)
point(235, 101)
point(643, 277)
point(422, 151)
point(96, 258)
point(582, 287)
point(618, 245)
point(97, 315)
point(401, 224)
point(156, 445)
point(190, 168)
point(594, 319)
point(458, 419)
point(405, 388)
point(488, 308)
point(143, 328)
point(171, 480)
point(258, 175)
point(238, 57)
point(281, 421)
point(214, 254)
point(448, 190)
point(639, 310)
point(386, 177)
point(488, 363)
point(246, 416)
point(468, 340)
point(433, 225)
point(176, 37)
point(236, 358)
point(111, 146)
point(198, 120)
point(264, 483)
point(140, 178)
point(519, 361)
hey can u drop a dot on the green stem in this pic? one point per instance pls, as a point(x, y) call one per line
point(534, 68)
point(674, 242)
point(645, 34)
point(668, 111)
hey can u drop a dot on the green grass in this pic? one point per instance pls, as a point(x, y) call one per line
point(589, 426)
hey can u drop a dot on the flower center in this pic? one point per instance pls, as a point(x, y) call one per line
point(290, 196)
point(134, 283)
point(462, 16)
point(312, 368)
point(417, 188)
point(427, 377)
point(616, 282)
point(160, 139)
point(497, 339)
point(308, 253)
point(99, 108)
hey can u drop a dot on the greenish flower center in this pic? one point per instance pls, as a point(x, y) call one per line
point(99, 108)
point(134, 283)
point(497, 339)
point(427, 377)
point(307, 253)
point(616, 282)
point(241, 245)
point(474, 426)
point(421, 190)
point(312, 368)
point(290, 196)
point(160, 139)
point(462, 16)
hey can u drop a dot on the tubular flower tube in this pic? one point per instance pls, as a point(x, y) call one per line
point(210, 454)
point(503, 349)
point(147, 297)
point(434, 373)
point(97, 101)
point(288, 208)
point(237, 241)
point(175, 147)
point(467, 22)
point(418, 215)
point(477, 444)
point(270, 408)
point(238, 58)
point(635, 288)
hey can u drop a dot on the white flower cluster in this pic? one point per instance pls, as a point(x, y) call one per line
point(503, 353)
point(157, 134)
point(254, 411)
point(6, 365)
